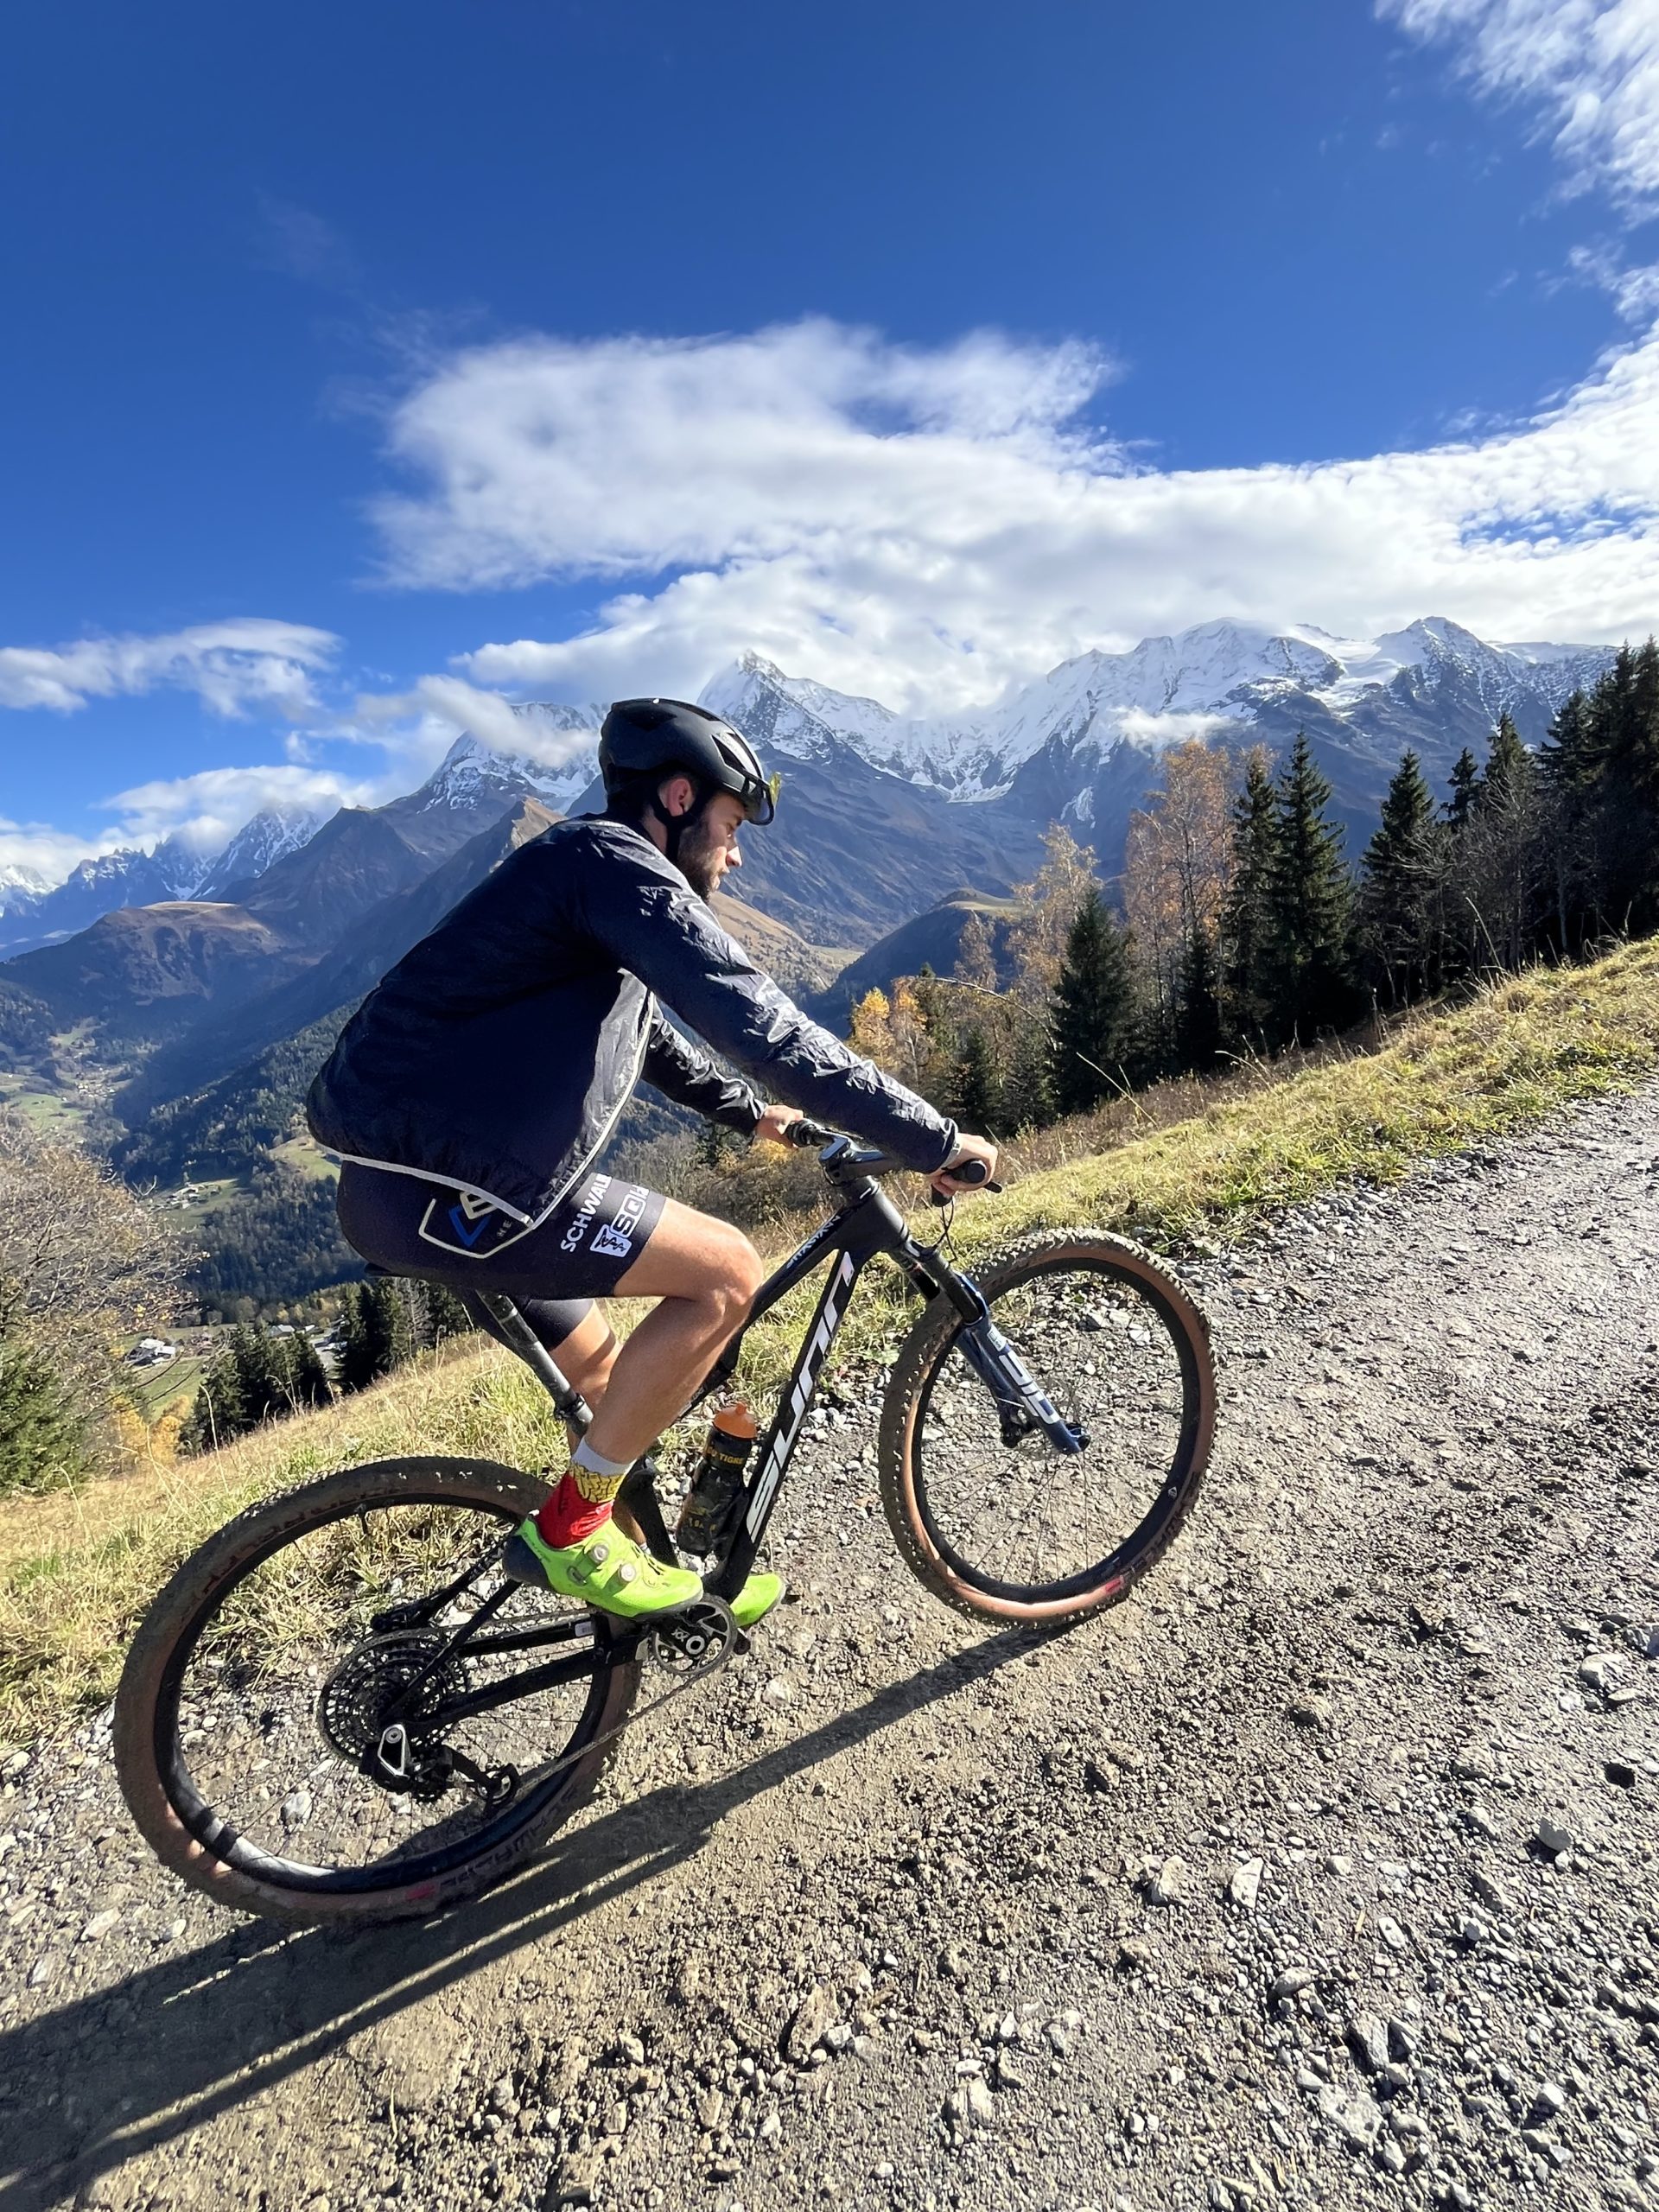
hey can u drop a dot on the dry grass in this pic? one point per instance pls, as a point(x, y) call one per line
point(76, 1568)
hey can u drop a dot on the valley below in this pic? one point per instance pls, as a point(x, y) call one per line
point(1321, 1872)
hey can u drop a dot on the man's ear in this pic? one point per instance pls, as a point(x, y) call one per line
point(677, 796)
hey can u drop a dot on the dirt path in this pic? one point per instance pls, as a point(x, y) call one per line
point(874, 1925)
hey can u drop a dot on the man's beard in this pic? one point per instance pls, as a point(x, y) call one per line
point(698, 857)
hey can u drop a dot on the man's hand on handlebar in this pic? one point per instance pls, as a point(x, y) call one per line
point(970, 1168)
point(775, 1124)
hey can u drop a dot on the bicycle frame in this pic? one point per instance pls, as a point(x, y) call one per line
point(865, 1227)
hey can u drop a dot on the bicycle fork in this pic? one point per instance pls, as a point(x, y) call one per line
point(1021, 1403)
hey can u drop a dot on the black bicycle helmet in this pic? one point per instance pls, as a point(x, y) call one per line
point(641, 738)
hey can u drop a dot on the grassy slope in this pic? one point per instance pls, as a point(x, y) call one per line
point(75, 1570)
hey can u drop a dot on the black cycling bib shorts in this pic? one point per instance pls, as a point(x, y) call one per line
point(408, 1225)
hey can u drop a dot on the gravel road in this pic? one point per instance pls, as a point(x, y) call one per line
point(1323, 1873)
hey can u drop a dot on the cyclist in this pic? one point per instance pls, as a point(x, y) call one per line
point(471, 1095)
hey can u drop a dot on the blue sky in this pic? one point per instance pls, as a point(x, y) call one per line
point(368, 366)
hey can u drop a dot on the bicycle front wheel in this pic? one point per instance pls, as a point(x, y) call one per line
point(1001, 1524)
point(261, 1684)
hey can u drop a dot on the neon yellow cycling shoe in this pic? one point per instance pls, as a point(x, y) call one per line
point(606, 1569)
point(756, 1599)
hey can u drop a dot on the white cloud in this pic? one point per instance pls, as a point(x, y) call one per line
point(1592, 66)
point(34, 849)
point(866, 516)
point(249, 665)
point(206, 810)
point(1154, 732)
point(629, 455)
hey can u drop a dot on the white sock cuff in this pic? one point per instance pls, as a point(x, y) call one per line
point(596, 1464)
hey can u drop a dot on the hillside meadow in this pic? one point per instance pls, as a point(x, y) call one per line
point(1190, 1163)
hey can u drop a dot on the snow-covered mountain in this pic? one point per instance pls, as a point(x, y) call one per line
point(19, 882)
point(1079, 745)
point(1219, 679)
point(273, 832)
point(127, 877)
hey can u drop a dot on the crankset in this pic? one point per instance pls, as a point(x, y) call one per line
point(699, 1637)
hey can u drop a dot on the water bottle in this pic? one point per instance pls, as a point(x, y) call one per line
point(719, 1478)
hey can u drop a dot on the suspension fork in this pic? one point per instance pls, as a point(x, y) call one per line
point(1021, 1402)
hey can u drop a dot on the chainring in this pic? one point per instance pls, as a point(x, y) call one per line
point(355, 1704)
point(697, 1638)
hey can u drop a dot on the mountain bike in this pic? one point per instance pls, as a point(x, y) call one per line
point(342, 1709)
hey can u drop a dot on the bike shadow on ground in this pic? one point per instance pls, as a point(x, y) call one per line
point(203, 2033)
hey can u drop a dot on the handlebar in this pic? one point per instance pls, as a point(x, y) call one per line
point(812, 1136)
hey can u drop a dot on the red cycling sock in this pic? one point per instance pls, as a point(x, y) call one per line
point(583, 1501)
point(568, 1517)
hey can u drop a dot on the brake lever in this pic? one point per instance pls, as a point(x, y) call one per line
point(973, 1183)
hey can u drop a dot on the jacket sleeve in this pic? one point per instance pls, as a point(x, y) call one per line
point(689, 1077)
point(648, 918)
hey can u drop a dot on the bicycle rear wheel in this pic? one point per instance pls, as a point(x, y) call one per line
point(1004, 1526)
point(266, 1671)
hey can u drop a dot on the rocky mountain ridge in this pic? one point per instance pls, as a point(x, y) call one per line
point(1080, 744)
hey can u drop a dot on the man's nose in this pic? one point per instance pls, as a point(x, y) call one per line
point(734, 858)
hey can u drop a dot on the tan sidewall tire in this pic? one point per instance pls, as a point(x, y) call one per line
point(467, 1482)
point(919, 1354)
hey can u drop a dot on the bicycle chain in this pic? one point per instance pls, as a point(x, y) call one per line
point(701, 1670)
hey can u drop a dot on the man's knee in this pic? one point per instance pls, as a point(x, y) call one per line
point(741, 1272)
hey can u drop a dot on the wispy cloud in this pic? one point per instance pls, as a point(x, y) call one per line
point(1590, 66)
point(925, 528)
point(206, 810)
point(246, 667)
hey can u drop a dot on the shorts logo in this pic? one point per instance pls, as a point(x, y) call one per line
point(470, 1219)
point(583, 1222)
point(614, 1240)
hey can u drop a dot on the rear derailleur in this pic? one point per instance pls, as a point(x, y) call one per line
point(406, 1767)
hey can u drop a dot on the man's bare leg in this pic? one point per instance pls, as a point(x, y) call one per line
point(704, 1274)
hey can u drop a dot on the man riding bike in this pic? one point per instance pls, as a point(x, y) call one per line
point(471, 1095)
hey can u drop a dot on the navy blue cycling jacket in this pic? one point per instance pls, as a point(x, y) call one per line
point(498, 1055)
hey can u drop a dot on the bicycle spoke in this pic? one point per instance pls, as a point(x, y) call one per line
point(293, 1682)
point(1024, 1516)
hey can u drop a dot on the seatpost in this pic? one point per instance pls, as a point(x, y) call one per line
point(523, 1340)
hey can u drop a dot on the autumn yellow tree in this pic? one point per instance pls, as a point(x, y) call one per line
point(871, 1033)
point(1037, 937)
point(1178, 865)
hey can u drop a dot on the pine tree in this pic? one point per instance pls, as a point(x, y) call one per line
point(43, 1437)
point(445, 1314)
point(1247, 916)
point(1499, 863)
point(1400, 922)
point(1310, 904)
point(261, 1382)
point(377, 1332)
point(1465, 782)
point(1570, 762)
point(1198, 1036)
point(390, 1335)
point(306, 1377)
point(977, 1103)
point(1027, 1100)
point(1093, 1011)
point(357, 1352)
point(218, 1413)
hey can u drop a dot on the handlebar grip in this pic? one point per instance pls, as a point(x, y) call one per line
point(978, 1180)
point(811, 1136)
